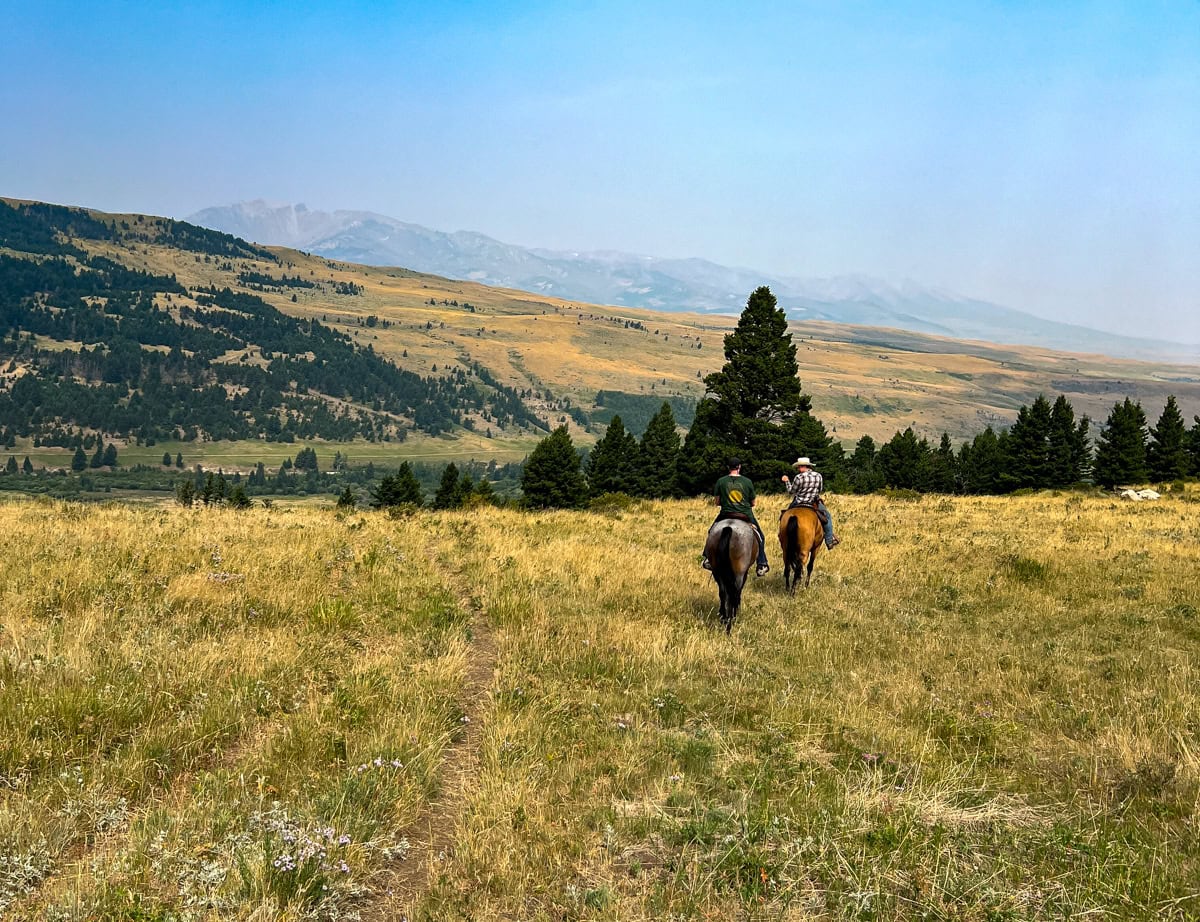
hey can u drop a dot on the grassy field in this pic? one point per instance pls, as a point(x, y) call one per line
point(983, 709)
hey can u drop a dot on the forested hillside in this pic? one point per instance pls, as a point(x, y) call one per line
point(87, 343)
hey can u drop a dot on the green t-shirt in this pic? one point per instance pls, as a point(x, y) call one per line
point(736, 494)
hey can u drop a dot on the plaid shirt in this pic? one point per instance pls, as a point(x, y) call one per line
point(806, 488)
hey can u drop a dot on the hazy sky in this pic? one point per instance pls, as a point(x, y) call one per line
point(1042, 155)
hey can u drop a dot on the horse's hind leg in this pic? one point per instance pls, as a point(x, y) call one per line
point(812, 558)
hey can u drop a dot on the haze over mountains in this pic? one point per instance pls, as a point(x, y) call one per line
point(663, 284)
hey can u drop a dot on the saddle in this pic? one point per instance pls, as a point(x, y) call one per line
point(821, 516)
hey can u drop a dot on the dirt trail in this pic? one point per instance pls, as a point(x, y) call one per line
point(431, 835)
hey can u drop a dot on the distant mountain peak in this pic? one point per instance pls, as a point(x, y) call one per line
point(638, 280)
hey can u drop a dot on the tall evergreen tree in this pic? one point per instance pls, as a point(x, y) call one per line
point(1193, 444)
point(551, 477)
point(865, 476)
point(11, 466)
point(611, 464)
point(980, 463)
point(27, 466)
point(1028, 460)
point(1121, 448)
point(98, 457)
point(1067, 445)
point(904, 461)
point(658, 457)
point(79, 461)
point(943, 467)
point(110, 455)
point(753, 407)
point(449, 493)
point(1167, 455)
point(399, 489)
point(166, 459)
point(179, 460)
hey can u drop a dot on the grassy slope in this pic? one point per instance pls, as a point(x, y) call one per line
point(864, 381)
point(997, 721)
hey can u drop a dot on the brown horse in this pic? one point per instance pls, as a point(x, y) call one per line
point(732, 548)
point(800, 536)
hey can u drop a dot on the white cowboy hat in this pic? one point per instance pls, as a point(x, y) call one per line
point(802, 462)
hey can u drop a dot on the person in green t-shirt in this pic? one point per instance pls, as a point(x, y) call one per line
point(735, 495)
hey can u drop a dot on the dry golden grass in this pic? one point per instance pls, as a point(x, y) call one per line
point(983, 709)
point(530, 341)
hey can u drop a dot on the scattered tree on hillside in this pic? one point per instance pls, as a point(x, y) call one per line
point(552, 477)
point(1121, 448)
point(79, 461)
point(166, 459)
point(27, 466)
point(347, 499)
point(11, 466)
point(110, 455)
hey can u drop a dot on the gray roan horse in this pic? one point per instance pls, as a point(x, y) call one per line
point(731, 548)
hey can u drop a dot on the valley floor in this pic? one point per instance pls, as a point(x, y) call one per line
point(984, 708)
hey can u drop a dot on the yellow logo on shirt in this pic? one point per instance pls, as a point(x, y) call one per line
point(735, 496)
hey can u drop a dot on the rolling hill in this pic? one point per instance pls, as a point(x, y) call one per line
point(630, 280)
point(165, 329)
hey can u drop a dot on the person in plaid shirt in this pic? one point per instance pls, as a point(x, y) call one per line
point(805, 489)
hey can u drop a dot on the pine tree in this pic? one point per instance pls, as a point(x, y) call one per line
point(1193, 444)
point(79, 460)
point(11, 466)
point(865, 476)
point(179, 460)
point(753, 408)
point(98, 457)
point(110, 455)
point(347, 499)
point(610, 466)
point(1028, 461)
point(551, 477)
point(449, 491)
point(166, 461)
point(943, 467)
point(185, 493)
point(1067, 444)
point(484, 494)
point(399, 489)
point(981, 462)
point(1167, 454)
point(1121, 448)
point(238, 498)
point(904, 461)
point(658, 457)
point(27, 467)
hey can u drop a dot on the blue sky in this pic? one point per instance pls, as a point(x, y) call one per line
point(1045, 156)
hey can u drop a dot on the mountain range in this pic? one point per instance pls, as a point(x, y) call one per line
point(630, 280)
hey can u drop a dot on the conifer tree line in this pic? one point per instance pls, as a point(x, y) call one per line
point(754, 409)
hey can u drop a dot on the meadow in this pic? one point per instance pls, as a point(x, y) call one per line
point(983, 709)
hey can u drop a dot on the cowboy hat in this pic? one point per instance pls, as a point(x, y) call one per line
point(802, 462)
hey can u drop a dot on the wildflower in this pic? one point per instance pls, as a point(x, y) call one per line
point(343, 839)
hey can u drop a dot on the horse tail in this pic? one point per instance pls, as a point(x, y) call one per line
point(792, 551)
point(723, 565)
